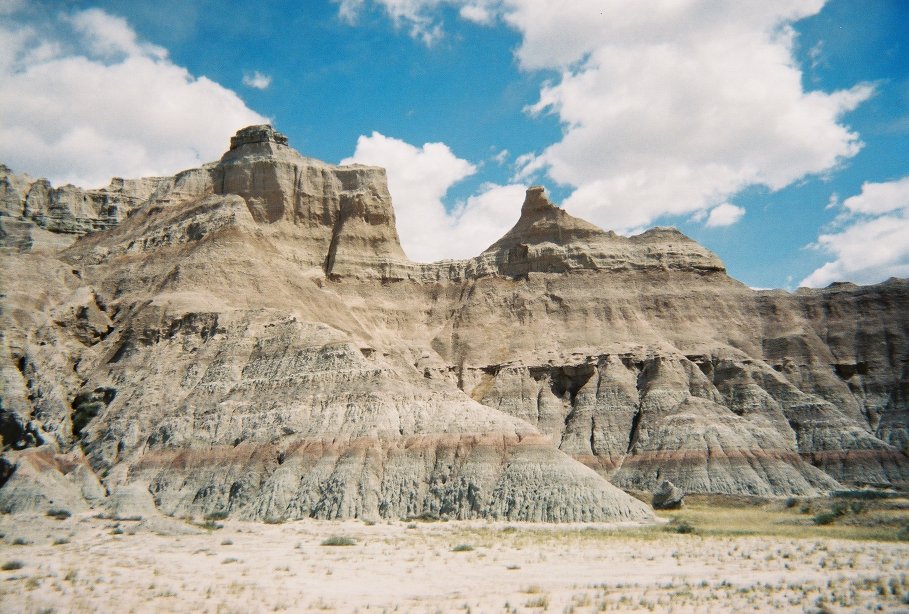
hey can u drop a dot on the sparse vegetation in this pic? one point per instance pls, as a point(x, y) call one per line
point(339, 540)
point(864, 494)
point(275, 520)
point(221, 515)
point(783, 544)
point(13, 565)
point(539, 602)
point(59, 514)
point(880, 518)
point(680, 526)
point(424, 517)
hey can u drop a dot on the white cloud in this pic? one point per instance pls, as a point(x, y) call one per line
point(668, 107)
point(416, 14)
point(348, 10)
point(725, 214)
point(476, 13)
point(418, 179)
point(86, 98)
point(501, 157)
point(110, 36)
point(674, 107)
point(257, 80)
point(878, 198)
point(874, 244)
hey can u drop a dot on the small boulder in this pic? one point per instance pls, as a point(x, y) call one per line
point(668, 497)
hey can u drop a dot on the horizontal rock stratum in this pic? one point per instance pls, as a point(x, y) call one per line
point(248, 338)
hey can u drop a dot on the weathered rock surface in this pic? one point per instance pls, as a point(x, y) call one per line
point(250, 339)
point(668, 497)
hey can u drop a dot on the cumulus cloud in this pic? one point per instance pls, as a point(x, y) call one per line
point(725, 214)
point(109, 36)
point(878, 198)
point(477, 13)
point(668, 108)
point(418, 179)
point(873, 242)
point(83, 97)
point(673, 108)
point(257, 80)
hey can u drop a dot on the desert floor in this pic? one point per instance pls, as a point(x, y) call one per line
point(83, 563)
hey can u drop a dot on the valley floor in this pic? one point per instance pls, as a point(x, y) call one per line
point(758, 559)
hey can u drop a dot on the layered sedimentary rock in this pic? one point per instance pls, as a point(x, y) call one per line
point(252, 340)
point(33, 214)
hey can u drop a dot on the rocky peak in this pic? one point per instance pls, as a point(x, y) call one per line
point(547, 239)
point(536, 200)
point(260, 142)
point(263, 133)
point(543, 222)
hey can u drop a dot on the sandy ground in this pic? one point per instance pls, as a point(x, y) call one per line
point(89, 564)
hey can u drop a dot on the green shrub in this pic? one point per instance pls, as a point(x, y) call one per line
point(826, 518)
point(839, 509)
point(13, 565)
point(339, 540)
point(59, 514)
point(681, 526)
point(462, 548)
point(904, 534)
point(864, 494)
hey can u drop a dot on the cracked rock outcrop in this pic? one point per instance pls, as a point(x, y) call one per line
point(249, 338)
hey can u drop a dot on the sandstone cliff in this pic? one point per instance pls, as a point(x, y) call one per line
point(249, 338)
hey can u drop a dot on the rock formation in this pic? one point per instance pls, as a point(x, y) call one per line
point(667, 497)
point(249, 338)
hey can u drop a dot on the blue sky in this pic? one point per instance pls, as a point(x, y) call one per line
point(776, 133)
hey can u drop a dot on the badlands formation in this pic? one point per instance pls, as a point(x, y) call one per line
point(249, 339)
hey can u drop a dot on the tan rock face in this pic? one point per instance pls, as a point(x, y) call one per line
point(251, 339)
